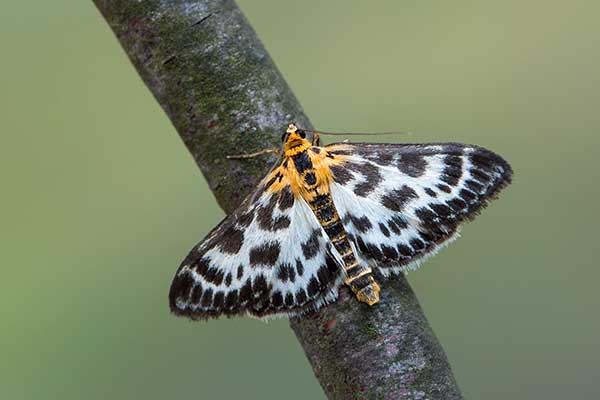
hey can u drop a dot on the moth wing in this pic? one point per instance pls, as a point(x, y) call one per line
point(268, 258)
point(401, 203)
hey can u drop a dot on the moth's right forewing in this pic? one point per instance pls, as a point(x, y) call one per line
point(402, 202)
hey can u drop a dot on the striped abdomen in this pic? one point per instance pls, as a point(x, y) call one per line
point(359, 277)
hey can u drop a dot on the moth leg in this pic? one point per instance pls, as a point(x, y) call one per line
point(315, 139)
point(256, 154)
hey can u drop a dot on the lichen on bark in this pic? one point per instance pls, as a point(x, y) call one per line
point(207, 69)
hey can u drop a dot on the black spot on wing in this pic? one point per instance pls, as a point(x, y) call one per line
point(266, 254)
point(444, 188)
point(371, 177)
point(417, 244)
point(310, 248)
point(362, 224)
point(265, 213)
point(384, 159)
point(246, 292)
point(231, 300)
point(426, 237)
point(397, 199)
point(443, 211)
point(366, 169)
point(370, 249)
point(218, 300)
point(289, 300)
point(267, 221)
point(389, 253)
point(412, 164)
point(299, 267)
point(341, 174)
point(214, 275)
point(231, 240)
point(453, 170)
point(384, 230)
point(404, 251)
point(260, 285)
point(260, 294)
point(325, 275)
point(313, 287)
point(431, 222)
point(480, 175)
point(379, 154)
point(468, 196)
point(363, 189)
point(180, 289)
point(491, 169)
point(475, 186)
point(286, 198)
point(277, 299)
point(378, 157)
point(280, 222)
point(301, 296)
point(458, 205)
point(246, 218)
point(430, 192)
point(342, 152)
point(490, 162)
point(207, 298)
point(286, 272)
point(396, 224)
point(196, 295)
point(201, 265)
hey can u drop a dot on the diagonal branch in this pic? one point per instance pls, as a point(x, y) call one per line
point(214, 79)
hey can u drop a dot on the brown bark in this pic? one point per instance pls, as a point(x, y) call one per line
point(214, 79)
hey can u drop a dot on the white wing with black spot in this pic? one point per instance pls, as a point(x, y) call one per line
point(400, 203)
point(269, 258)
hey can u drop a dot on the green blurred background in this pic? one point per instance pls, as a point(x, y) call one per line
point(100, 199)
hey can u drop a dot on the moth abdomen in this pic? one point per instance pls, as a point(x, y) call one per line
point(358, 276)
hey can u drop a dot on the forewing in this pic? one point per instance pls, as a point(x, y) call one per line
point(402, 202)
point(269, 258)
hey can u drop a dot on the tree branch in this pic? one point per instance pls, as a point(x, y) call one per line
point(214, 79)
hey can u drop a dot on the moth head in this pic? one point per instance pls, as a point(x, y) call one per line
point(292, 128)
point(292, 134)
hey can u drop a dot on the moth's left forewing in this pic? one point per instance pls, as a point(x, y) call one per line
point(402, 203)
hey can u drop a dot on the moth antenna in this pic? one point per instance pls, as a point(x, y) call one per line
point(359, 133)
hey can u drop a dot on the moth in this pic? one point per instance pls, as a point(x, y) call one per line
point(334, 215)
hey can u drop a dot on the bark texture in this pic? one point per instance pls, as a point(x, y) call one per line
point(214, 79)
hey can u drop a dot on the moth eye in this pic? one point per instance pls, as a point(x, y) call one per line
point(302, 133)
